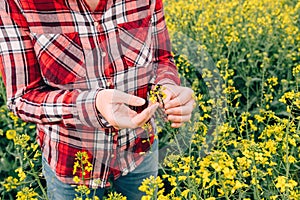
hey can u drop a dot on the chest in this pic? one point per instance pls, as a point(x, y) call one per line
point(92, 28)
point(92, 50)
point(75, 15)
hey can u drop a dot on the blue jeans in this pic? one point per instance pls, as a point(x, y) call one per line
point(126, 185)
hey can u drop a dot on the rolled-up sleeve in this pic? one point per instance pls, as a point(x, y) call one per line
point(166, 69)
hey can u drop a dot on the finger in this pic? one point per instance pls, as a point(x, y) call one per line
point(141, 118)
point(181, 110)
point(168, 95)
point(182, 98)
point(120, 116)
point(129, 99)
point(125, 110)
point(179, 118)
point(176, 125)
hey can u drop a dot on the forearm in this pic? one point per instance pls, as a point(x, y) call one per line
point(47, 105)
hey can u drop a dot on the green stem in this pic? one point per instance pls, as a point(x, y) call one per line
point(262, 86)
point(3, 91)
point(287, 157)
point(40, 185)
point(226, 195)
point(248, 96)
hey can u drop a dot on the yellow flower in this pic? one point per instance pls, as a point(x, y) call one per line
point(157, 94)
point(212, 183)
point(76, 179)
point(238, 185)
point(273, 81)
point(291, 159)
point(11, 134)
point(146, 198)
point(270, 171)
point(147, 127)
point(185, 193)
point(291, 184)
point(211, 198)
point(229, 173)
point(27, 194)
point(36, 155)
point(34, 146)
point(83, 189)
point(10, 183)
point(75, 166)
point(296, 70)
point(21, 173)
point(182, 178)
point(22, 140)
point(281, 183)
point(259, 118)
point(31, 163)
point(221, 192)
point(117, 196)
point(151, 185)
point(274, 197)
point(172, 181)
point(89, 167)
point(216, 166)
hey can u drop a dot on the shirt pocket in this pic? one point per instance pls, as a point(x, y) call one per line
point(135, 42)
point(60, 56)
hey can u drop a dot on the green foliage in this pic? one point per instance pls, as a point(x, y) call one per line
point(242, 59)
point(20, 158)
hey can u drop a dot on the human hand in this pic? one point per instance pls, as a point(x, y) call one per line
point(113, 106)
point(179, 103)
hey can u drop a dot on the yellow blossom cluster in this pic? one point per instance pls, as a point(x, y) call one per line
point(27, 194)
point(81, 167)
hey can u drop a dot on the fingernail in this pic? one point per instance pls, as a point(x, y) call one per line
point(155, 106)
point(140, 101)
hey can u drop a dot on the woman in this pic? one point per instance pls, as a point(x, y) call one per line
point(80, 70)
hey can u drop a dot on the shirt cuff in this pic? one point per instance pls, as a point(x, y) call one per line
point(167, 81)
point(87, 111)
point(167, 74)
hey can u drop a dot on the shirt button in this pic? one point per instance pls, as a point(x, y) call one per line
point(112, 156)
point(96, 23)
point(103, 54)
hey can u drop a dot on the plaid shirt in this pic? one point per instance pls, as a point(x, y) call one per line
point(57, 54)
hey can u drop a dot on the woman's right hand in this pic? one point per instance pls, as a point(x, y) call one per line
point(113, 105)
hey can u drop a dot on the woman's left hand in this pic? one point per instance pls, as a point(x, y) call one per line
point(179, 104)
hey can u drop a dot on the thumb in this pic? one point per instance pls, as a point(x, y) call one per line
point(169, 94)
point(129, 99)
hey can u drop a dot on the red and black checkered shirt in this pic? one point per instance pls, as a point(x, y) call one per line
point(57, 54)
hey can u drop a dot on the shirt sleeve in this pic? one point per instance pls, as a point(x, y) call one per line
point(166, 70)
point(28, 96)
